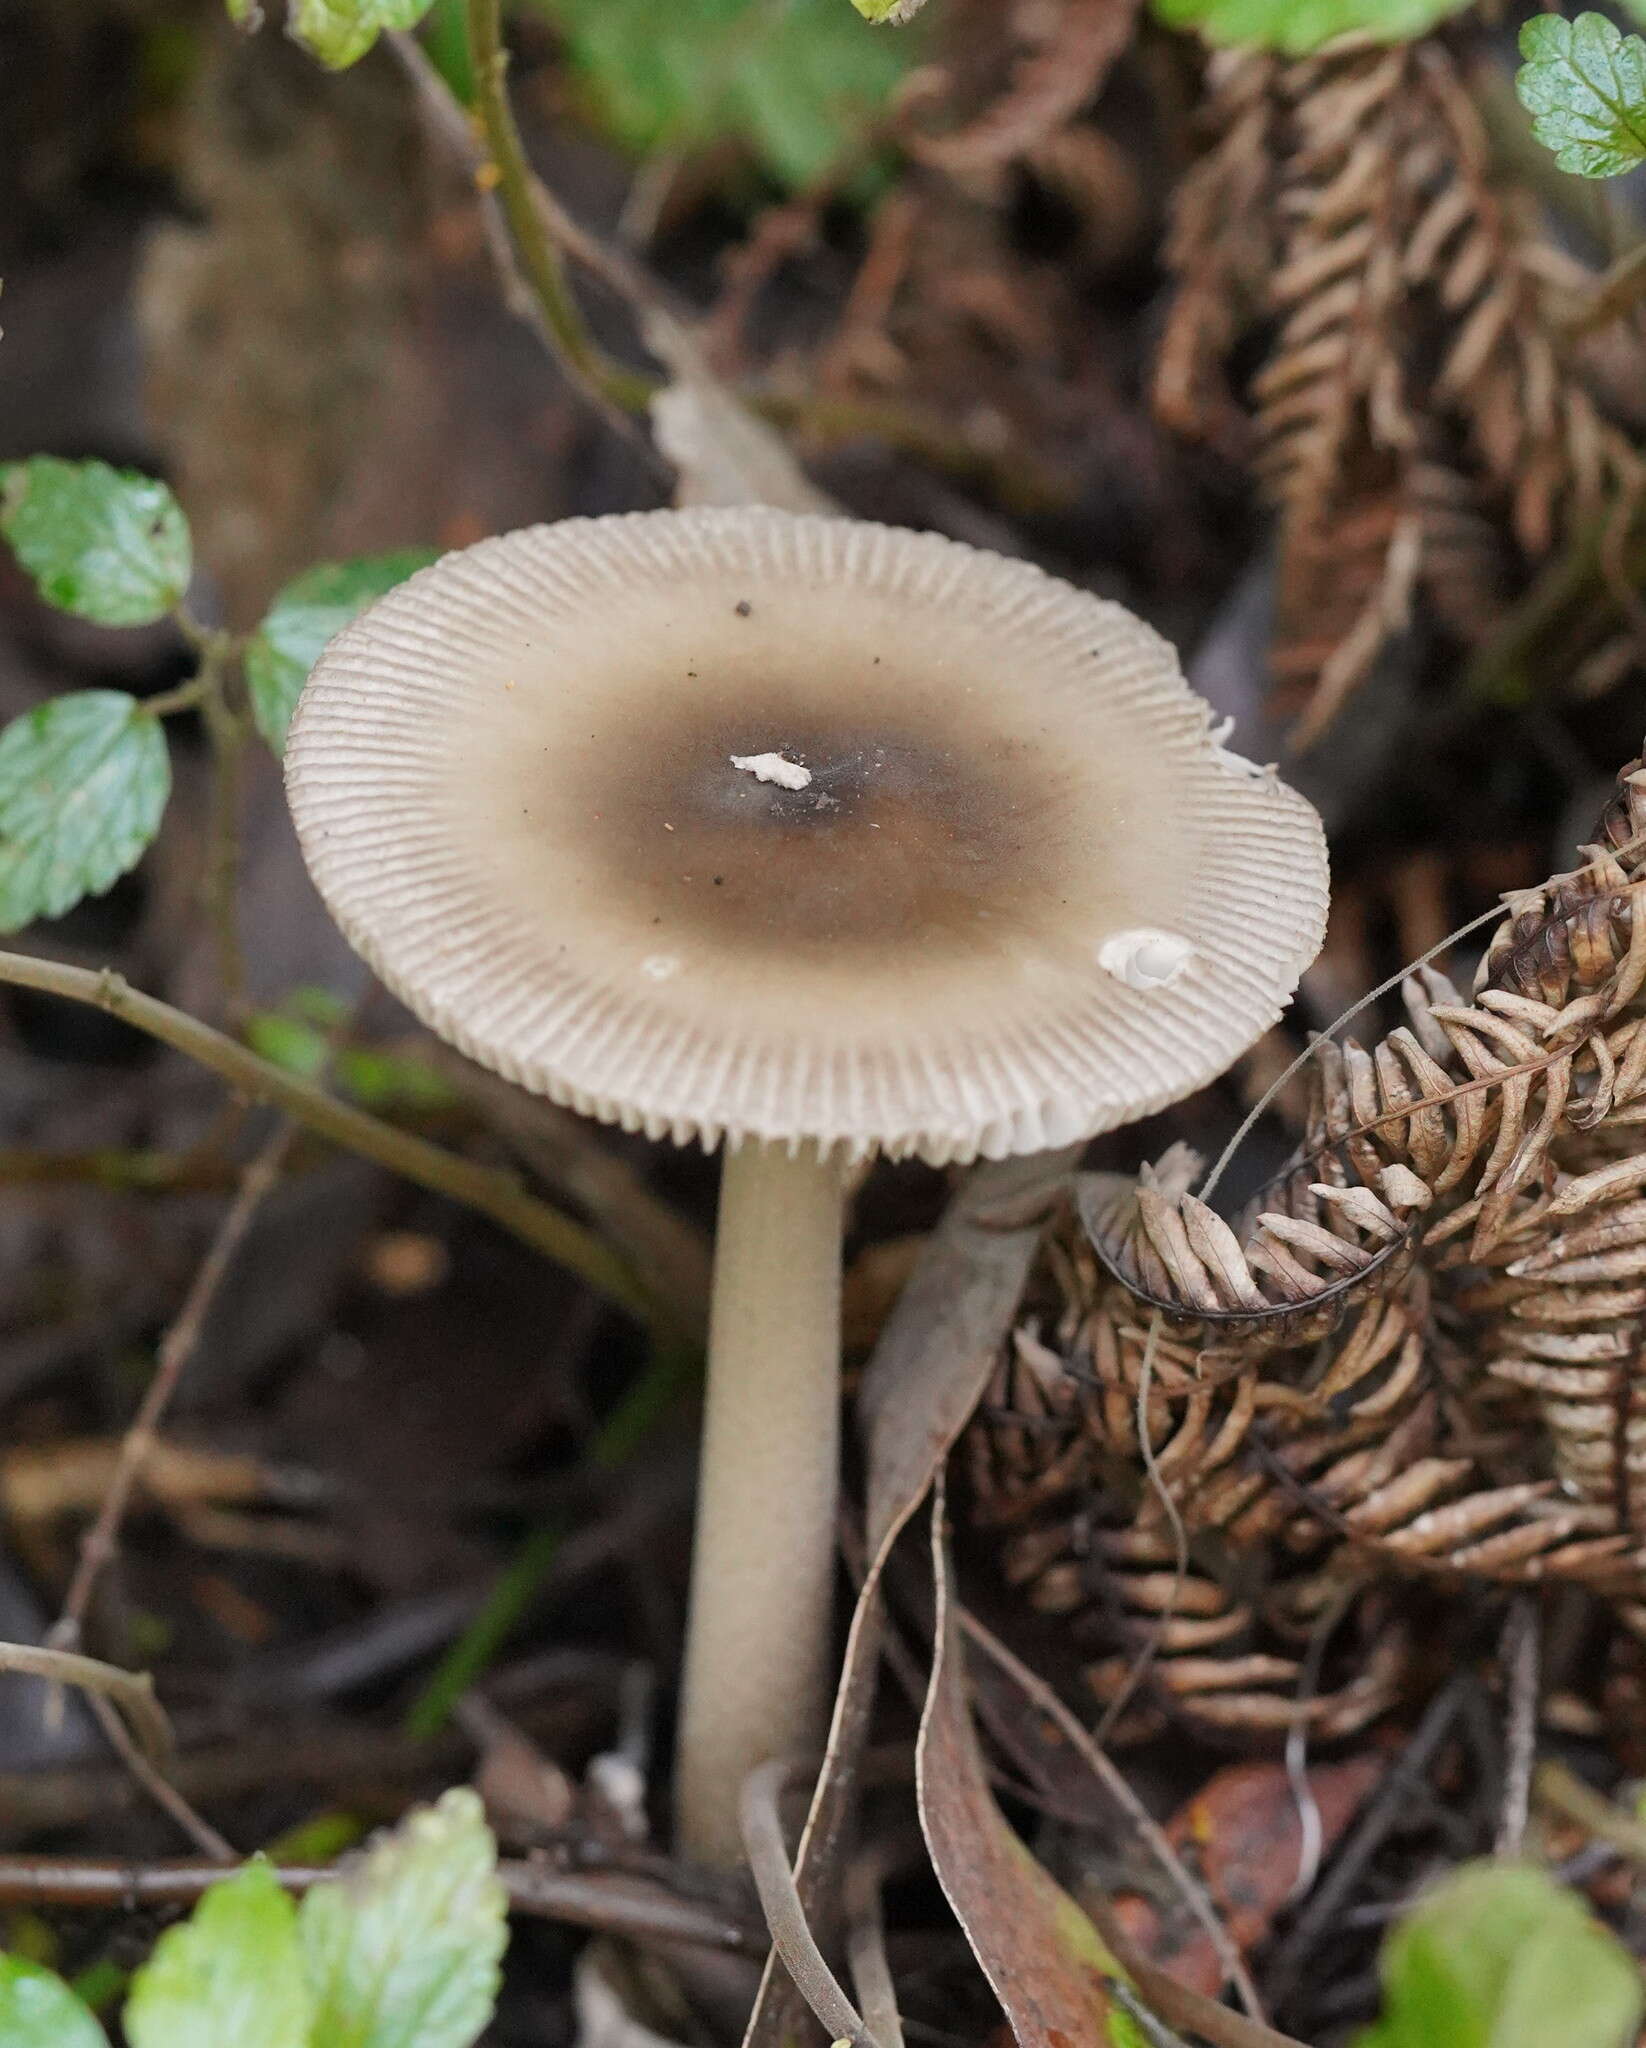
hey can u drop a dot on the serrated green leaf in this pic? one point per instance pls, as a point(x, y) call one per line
point(404, 1949)
point(797, 81)
point(1296, 27)
point(304, 616)
point(107, 544)
point(83, 786)
point(1500, 1955)
point(38, 2010)
point(1584, 85)
point(233, 1972)
point(340, 32)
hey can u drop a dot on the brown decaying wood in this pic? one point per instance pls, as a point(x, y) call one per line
point(1419, 1353)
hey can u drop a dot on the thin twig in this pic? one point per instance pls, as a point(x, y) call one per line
point(1563, 1792)
point(497, 1194)
point(1522, 1660)
point(786, 1917)
point(177, 1347)
point(608, 1905)
point(1154, 1837)
point(159, 1788)
point(132, 1691)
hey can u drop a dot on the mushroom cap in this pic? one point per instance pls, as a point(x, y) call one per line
point(728, 823)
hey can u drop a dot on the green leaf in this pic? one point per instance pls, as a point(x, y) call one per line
point(83, 785)
point(233, 1972)
point(1500, 1955)
point(1298, 26)
point(1584, 85)
point(403, 1951)
point(796, 82)
point(382, 1081)
point(38, 2010)
point(340, 32)
point(304, 616)
point(107, 544)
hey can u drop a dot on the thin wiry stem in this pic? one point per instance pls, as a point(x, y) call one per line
point(158, 1787)
point(494, 1193)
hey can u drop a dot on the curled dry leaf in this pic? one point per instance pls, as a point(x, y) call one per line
point(1044, 1960)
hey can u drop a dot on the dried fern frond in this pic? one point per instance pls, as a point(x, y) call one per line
point(1422, 1353)
point(1058, 58)
point(1419, 420)
point(1221, 246)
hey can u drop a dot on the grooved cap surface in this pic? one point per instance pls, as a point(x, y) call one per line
point(516, 783)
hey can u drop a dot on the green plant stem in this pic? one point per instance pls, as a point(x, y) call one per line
point(220, 885)
point(475, 1650)
point(185, 697)
point(494, 1193)
point(539, 258)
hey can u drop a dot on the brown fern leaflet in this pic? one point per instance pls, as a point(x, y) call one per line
point(1420, 1354)
point(1417, 423)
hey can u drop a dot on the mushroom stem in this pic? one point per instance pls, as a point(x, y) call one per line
point(757, 1642)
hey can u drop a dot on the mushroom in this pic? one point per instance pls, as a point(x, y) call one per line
point(807, 838)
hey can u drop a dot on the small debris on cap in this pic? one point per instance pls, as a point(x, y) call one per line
point(773, 768)
point(1145, 958)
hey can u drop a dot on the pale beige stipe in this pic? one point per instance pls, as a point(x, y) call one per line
point(758, 1639)
point(513, 778)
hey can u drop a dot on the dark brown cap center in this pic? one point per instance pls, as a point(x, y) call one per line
point(897, 834)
